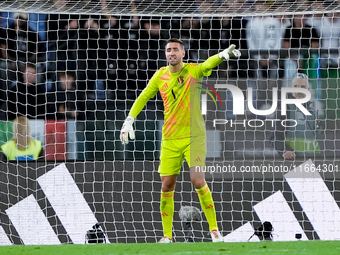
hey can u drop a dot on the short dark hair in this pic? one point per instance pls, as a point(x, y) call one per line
point(66, 73)
point(176, 40)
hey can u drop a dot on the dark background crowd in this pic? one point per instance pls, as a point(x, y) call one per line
point(59, 66)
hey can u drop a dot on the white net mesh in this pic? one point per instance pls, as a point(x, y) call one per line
point(74, 69)
point(173, 7)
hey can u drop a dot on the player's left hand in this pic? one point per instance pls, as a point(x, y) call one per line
point(127, 130)
point(230, 52)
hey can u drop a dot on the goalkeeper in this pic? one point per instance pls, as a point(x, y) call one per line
point(183, 134)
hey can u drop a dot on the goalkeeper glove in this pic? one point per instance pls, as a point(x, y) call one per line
point(127, 130)
point(229, 52)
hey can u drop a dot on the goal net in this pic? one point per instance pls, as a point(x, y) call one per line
point(71, 70)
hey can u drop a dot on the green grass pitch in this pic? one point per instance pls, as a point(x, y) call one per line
point(266, 247)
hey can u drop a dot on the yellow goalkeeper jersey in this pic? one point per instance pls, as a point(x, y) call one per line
point(181, 94)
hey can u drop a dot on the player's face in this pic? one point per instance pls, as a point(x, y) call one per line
point(174, 53)
point(298, 83)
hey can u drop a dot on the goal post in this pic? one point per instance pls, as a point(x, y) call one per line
point(74, 69)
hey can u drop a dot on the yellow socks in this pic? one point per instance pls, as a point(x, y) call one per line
point(208, 207)
point(167, 212)
point(167, 209)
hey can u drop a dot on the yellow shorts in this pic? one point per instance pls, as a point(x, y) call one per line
point(173, 152)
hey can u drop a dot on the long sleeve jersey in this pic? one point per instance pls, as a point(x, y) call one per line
point(181, 94)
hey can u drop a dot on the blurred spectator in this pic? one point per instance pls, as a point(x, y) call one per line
point(108, 46)
point(22, 42)
point(329, 31)
point(285, 20)
point(314, 19)
point(119, 39)
point(298, 35)
point(25, 97)
point(76, 40)
point(297, 140)
point(64, 102)
point(226, 31)
point(62, 38)
point(264, 33)
point(195, 35)
point(4, 71)
point(19, 45)
point(113, 46)
point(36, 21)
point(22, 146)
point(87, 54)
point(189, 29)
point(151, 47)
point(229, 30)
point(87, 44)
